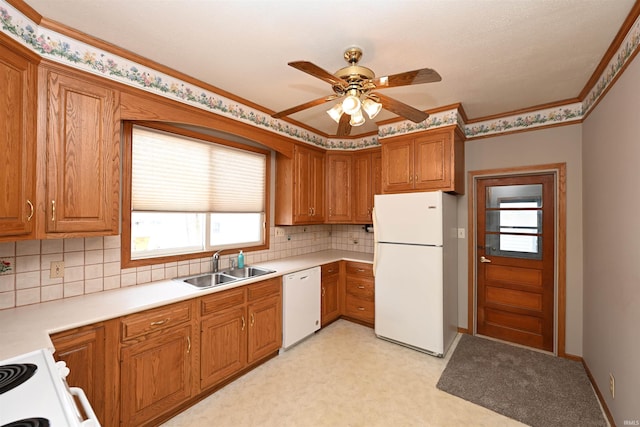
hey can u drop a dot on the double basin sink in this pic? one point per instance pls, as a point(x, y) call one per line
point(224, 277)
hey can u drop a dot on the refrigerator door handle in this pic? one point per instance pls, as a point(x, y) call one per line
point(375, 239)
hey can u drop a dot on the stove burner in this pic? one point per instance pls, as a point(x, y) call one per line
point(29, 422)
point(12, 376)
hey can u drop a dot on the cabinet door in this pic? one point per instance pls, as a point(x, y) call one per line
point(302, 185)
point(330, 299)
point(84, 353)
point(18, 77)
point(318, 193)
point(376, 172)
point(397, 166)
point(155, 376)
point(362, 188)
point(339, 187)
point(82, 156)
point(433, 161)
point(265, 327)
point(223, 346)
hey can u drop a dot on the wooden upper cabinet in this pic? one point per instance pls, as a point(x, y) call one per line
point(339, 186)
point(300, 193)
point(367, 181)
point(432, 160)
point(18, 83)
point(80, 148)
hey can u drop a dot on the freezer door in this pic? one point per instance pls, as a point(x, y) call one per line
point(409, 218)
point(409, 295)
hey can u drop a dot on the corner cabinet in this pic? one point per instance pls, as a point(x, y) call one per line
point(426, 161)
point(79, 154)
point(300, 187)
point(18, 83)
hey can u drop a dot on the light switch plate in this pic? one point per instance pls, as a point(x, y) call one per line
point(57, 270)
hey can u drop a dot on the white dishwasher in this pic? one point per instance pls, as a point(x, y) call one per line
point(301, 305)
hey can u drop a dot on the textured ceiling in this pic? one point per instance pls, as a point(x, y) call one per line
point(494, 56)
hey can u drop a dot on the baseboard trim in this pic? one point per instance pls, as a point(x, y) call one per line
point(598, 393)
point(463, 330)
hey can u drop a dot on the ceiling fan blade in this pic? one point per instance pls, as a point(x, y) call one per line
point(401, 109)
point(424, 75)
point(318, 72)
point(344, 127)
point(304, 106)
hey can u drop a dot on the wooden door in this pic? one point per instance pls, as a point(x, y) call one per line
point(223, 346)
point(397, 166)
point(155, 376)
point(362, 188)
point(339, 183)
point(265, 327)
point(433, 161)
point(18, 77)
point(515, 265)
point(82, 160)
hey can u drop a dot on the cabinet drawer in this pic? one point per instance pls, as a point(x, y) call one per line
point(155, 320)
point(359, 308)
point(221, 301)
point(359, 269)
point(264, 289)
point(330, 269)
point(360, 288)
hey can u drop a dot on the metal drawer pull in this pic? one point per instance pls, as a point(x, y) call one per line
point(30, 207)
point(160, 322)
point(243, 323)
point(361, 308)
point(361, 270)
point(361, 287)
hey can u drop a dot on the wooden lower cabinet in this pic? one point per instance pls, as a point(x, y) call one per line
point(239, 327)
point(156, 363)
point(330, 293)
point(84, 351)
point(359, 302)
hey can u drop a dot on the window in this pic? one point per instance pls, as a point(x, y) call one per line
point(191, 195)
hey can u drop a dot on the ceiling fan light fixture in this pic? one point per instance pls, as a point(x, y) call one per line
point(371, 107)
point(351, 104)
point(357, 119)
point(336, 112)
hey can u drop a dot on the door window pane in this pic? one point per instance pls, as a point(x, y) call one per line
point(514, 194)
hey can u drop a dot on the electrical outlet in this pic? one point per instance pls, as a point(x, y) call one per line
point(612, 385)
point(279, 232)
point(57, 270)
point(460, 233)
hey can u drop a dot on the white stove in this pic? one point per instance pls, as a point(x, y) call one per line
point(34, 393)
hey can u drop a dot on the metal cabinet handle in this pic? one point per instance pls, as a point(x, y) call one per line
point(31, 212)
point(485, 260)
point(360, 286)
point(361, 308)
point(323, 291)
point(188, 344)
point(243, 323)
point(360, 270)
point(253, 319)
point(53, 211)
point(416, 178)
point(160, 322)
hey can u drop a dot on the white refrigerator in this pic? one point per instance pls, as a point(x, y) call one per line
point(415, 268)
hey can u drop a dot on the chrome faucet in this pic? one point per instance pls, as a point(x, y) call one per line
point(216, 258)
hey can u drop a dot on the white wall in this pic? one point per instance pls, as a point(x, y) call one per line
point(611, 178)
point(552, 145)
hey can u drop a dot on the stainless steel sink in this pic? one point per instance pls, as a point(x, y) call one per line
point(247, 272)
point(209, 280)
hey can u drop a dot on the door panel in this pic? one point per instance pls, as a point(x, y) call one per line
point(515, 268)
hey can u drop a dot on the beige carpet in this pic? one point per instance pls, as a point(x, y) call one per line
point(341, 376)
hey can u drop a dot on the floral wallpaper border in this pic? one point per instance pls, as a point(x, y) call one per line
point(71, 52)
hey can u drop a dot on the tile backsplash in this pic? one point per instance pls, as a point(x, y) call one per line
point(92, 264)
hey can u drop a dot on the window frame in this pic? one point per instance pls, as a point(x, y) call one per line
point(125, 234)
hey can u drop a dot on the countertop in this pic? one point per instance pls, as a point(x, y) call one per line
point(25, 329)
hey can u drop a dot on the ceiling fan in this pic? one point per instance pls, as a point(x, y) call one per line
point(355, 84)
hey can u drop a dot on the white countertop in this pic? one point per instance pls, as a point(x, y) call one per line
point(25, 329)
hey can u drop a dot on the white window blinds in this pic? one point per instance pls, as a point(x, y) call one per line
point(173, 173)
